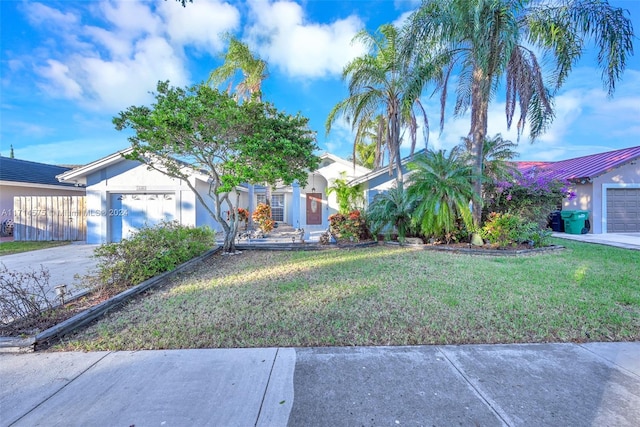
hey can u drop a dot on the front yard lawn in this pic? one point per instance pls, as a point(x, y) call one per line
point(383, 296)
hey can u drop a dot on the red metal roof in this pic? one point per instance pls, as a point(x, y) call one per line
point(585, 167)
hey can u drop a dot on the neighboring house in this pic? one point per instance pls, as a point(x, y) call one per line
point(124, 195)
point(606, 184)
point(25, 178)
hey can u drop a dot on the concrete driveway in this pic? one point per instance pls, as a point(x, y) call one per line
point(63, 263)
point(620, 240)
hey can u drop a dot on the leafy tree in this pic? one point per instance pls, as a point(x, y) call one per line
point(441, 184)
point(378, 82)
point(392, 209)
point(199, 130)
point(492, 41)
point(350, 197)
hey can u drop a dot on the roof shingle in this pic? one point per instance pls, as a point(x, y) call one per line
point(15, 170)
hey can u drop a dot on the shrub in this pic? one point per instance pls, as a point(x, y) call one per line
point(262, 217)
point(530, 196)
point(23, 294)
point(149, 252)
point(351, 227)
point(501, 229)
point(389, 210)
point(505, 229)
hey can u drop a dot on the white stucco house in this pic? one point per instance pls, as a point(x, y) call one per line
point(124, 195)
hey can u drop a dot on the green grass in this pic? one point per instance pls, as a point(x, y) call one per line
point(383, 296)
point(8, 248)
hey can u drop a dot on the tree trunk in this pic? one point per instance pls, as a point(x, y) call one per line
point(479, 113)
point(394, 143)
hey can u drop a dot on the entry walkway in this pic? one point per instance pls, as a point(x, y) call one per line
point(592, 384)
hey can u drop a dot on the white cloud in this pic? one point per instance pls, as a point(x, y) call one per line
point(200, 24)
point(117, 60)
point(60, 79)
point(40, 14)
point(299, 48)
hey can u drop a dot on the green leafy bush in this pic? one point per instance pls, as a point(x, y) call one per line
point(149, 252)
point(505, 229)
point(501, 229)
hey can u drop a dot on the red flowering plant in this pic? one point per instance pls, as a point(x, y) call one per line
point(243, 215)
point(349, 227)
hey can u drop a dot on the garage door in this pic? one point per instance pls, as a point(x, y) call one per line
point(130, 212)
point(623, 210)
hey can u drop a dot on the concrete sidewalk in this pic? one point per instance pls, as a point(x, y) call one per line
point(526, 384)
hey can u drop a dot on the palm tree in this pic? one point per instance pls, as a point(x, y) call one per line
point(391, 209)
point(349, 197)
point(497, 158)
point(370, 143)
point(442, 187)
point(488, 40)
point(240, 59)
point(377, 85)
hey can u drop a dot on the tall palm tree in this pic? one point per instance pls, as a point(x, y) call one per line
point(240, 59)
point(486, 41)
point(441, 184)
point(377, 84)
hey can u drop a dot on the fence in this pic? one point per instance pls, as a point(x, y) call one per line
point(44, 218)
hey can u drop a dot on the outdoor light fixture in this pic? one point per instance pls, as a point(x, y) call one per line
point(313, 184)
point(61, 291)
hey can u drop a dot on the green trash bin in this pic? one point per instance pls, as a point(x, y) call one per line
point(575, 221)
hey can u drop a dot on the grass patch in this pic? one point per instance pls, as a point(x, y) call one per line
point(383, 296)
point(8, 248)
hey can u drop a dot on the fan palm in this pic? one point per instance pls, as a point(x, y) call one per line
point(377, 85)
point(442, 187)
point(488, 40)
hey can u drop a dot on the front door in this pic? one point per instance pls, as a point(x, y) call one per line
point(314, 208)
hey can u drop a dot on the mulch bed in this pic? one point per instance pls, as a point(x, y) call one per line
point(35, 324)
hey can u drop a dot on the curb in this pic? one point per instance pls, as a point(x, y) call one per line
point(18, 345)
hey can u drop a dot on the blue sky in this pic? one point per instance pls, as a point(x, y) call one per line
point(67, 67)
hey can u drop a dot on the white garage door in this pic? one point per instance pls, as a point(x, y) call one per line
point(130, 212)
point(623, 210)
